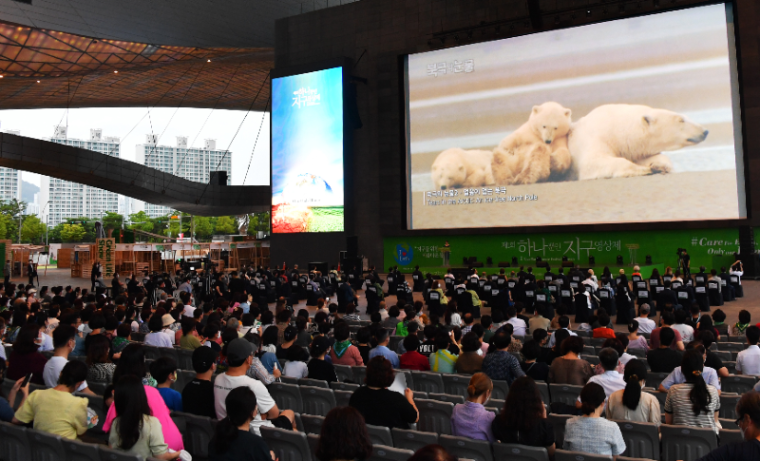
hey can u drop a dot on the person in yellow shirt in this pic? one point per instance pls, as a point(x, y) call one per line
point(189, 339)
point(56, 410)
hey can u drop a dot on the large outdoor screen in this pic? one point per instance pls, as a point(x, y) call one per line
point(307, 152)
point(633, 120)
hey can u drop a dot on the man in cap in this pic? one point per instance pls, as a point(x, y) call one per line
point(198, 394)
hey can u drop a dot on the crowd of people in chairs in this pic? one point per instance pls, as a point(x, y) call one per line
point(120, 369)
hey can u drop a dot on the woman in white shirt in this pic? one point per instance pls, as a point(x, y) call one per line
point(452, 317)
point(296, 365)
point(156, 337)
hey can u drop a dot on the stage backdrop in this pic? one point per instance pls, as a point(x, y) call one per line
point(708, 247)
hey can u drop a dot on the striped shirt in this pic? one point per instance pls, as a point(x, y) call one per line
point(679, 405)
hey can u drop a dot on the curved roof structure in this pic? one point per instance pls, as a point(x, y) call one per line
point(44, 69)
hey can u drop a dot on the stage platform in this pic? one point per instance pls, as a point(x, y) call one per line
point(646, 270)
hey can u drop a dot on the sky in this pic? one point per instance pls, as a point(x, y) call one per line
point(232, 130)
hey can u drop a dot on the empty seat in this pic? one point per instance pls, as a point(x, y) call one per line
point(359, 374)
point(313, 441)
point(45, 446)
point(463, 447)
point(564, 393)
point(289, 380)
point(686, 443)
point(14, 442)
point(78, 451)
point(737, 384)
point(286, 396)
point(655, 379)
point(199, 430)
point(558, 422)
point(412, 440)
point(342, 398)
point(500, 389)
point(497, 403)
point(730, 436)
point(383, 453)
point(152, 352)
point(446, 398)
point(428, 382)
point(313, 383)
point(108, 454)
point(97, 388)
point(515, 452)
point(171, 353)
point(728, 423)
point(317, 401)
point(380, 435)
point(637, 352)
point(543, 389)
point(184, 359)
point(564, 455)
point(312, 424)
point(96, 403)
point(344, 373)
point(455, 384)
point(642, 440)
point(419, 395)
point(337, 386)
point(435, 416)
point(728, 405)
point(287, 445)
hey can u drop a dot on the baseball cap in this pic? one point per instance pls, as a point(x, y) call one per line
point(203, 358)
point(239, 350)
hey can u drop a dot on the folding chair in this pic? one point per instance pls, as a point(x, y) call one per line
point(78, 451)
point(515, 452)
point(428, 382)
point(455, 384)
point(287, 396)
point(312, 424)
point(45, 446)
point(455, 399)
point(558, 422)
point(342, 398)
point(728, 405)
point(383, 453)
point(500, 390)
point(199, 430)
point(564, 393)
point(107, 454)
point(313, 383)
point(543, 389)
point(728, 436)
point(738, 384)
point(338, 386)
point(344, 373)
point(313, 441)
point(183, 377)
point(359, 374)
point(14, 442)
point(564, 455)
point(98, 406)
point(686, 443)
point(412, 440)
point(184, 359)
point(287, 445)
point(642, 440)
point(655, 379)
point(317, 401)
point(171, 353)
point(380, 435)
point(434, 416)
point(463, 447)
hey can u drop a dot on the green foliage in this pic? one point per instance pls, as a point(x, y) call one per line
point(32, 229)
point(226, 225)
point(141, 221)
point(112, 220)
point(204, 229)
point(73, 233)
point(258, 222)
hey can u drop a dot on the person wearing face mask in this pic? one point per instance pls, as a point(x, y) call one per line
point(748, 420)
point(471, 419)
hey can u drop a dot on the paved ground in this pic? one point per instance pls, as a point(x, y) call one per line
point(750, 301)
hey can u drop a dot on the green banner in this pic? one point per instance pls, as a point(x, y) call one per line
point(711, 248)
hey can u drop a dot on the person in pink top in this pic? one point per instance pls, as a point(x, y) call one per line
point(132, 362)
point(343, 352)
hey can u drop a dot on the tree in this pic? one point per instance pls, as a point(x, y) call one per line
point(140, 221)
point(203, 228)
point(5, 223)
point(258, 222)
point(226, 225)
point(32, 229)
point(73, 233)
point(112, 220)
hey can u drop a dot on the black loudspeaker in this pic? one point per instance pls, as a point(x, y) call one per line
point(218, 178)
point(514, 261)
point(619, 260)
point(352, 247)
point(534, 10)
point(648, 260)
point(591, 261)
point(564, 258)
point(747, 254)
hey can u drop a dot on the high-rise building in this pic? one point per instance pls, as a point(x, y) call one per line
point(60, 199)
point(191, 163)
point(10, 180)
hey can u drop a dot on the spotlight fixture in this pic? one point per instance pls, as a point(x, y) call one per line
point(588, 12)
point(38, 81)
point(116, 72)
point(208, 60)
point(1, 76)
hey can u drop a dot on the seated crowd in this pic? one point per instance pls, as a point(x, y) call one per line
point(68, 343)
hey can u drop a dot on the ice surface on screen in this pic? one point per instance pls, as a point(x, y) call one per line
point(307, 152)
point(633, 120)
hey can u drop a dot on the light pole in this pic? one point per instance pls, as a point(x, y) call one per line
point(47, 221)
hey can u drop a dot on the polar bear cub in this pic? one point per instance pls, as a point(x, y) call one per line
point(535, 150)
point(457, 167)
point(623, 140)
